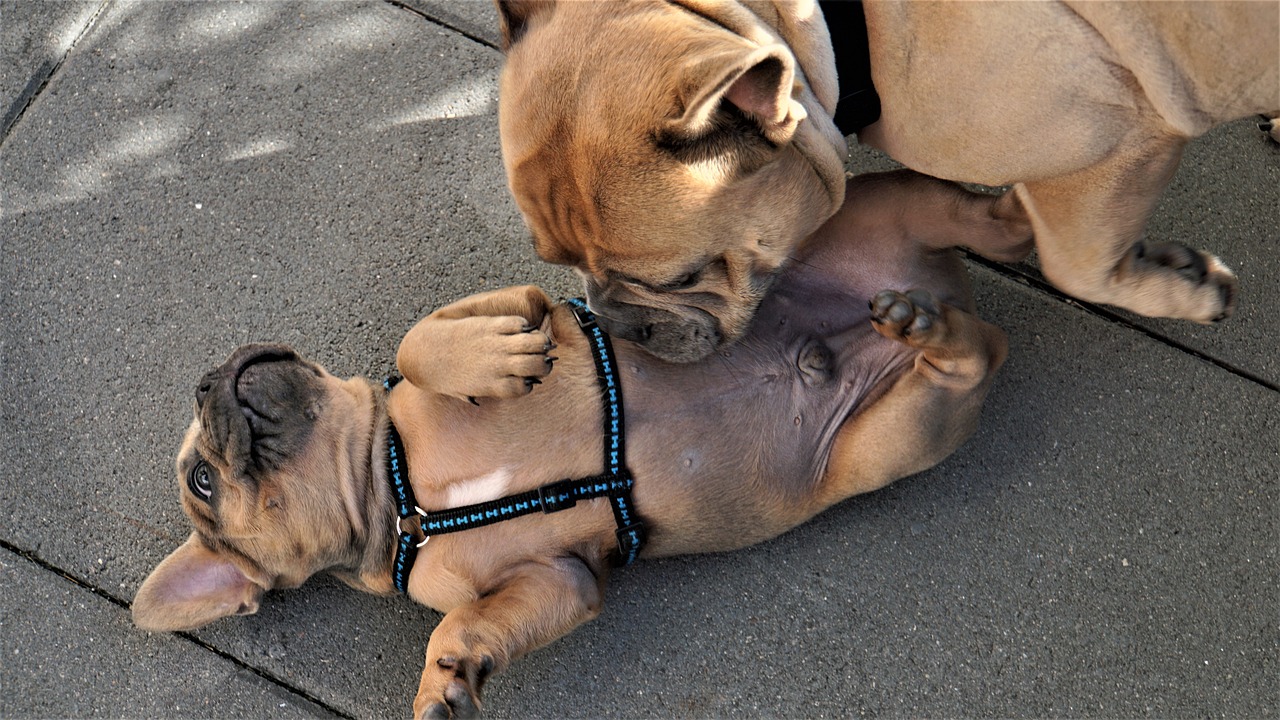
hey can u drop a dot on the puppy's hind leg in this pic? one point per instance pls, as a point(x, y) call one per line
point(930, 411)
point(939, 214)
point(538, 603)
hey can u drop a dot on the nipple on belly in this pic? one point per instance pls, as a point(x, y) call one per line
point(814, 362)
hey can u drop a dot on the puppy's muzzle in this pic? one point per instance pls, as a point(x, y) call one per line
point(258, 404)
point(243, 357)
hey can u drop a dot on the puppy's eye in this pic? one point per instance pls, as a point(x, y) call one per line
point(200, 481)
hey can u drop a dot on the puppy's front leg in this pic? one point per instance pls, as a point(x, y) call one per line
point(538, 604)
point(487, 345)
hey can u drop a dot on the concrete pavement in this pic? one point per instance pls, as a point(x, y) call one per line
point(178, 178)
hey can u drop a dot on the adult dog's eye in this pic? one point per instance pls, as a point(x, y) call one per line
point(200, 481)
point(685, 282)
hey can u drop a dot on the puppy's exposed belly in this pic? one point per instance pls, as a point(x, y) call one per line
point(758, 420)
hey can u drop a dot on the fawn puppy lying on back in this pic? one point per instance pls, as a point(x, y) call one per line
point(536, 472)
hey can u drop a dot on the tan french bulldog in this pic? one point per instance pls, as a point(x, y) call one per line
point(284, 470)
point(676, 151)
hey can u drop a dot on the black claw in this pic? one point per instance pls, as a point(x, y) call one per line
point(471, 399)
point(528, 328)
point(551, 359)
point(529, 382)
point(438, 711)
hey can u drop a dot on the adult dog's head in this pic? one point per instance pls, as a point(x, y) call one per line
point(274, 474)
point(675, 153)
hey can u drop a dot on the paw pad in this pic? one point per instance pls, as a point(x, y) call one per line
point(904, 315)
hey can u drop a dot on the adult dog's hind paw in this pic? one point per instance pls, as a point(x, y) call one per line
point(1270, 126)
point(1210, 286)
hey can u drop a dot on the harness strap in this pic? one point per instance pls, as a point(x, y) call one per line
point(615, 483)
point(549, 498)
point(630, 532)
point(406, 548)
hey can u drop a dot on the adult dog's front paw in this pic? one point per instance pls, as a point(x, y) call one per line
point(450, 688)
point(913, 317)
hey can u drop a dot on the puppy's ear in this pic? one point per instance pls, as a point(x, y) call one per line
point(192, 587)
point(514, 16)
point(758, 81)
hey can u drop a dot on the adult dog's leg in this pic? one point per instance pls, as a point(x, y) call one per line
point(536, 605)
point(1089, 226)
point(930, 410)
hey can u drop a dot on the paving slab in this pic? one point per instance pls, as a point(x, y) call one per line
point(477, 18)
point(35, 37)
point(1225, 200)
point(70, 653)
point(200, 175)
point(222, 182)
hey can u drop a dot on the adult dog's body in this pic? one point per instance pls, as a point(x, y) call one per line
point(283, 474)
point(715, 115)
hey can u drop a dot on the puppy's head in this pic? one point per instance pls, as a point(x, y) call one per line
point(655, 150)
point(269, 474)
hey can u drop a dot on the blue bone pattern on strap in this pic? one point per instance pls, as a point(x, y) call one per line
point(406, 548)
point(616, 483)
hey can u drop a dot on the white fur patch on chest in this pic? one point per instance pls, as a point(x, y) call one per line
point(478, 490)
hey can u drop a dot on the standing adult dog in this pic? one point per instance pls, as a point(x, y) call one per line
point(676, 151)
point(286, 470)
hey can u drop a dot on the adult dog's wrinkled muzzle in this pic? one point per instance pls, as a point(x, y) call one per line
point(679, 333)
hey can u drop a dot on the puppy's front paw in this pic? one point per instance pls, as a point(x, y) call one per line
point(912, 317)
point(450, 688)
point(507, 359)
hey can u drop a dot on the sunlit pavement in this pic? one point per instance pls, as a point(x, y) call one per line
point(179, 178)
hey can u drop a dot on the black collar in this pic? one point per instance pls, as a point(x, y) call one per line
point(615, 482)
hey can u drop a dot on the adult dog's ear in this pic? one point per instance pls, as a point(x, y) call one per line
point(514, 16)
point(192, 587)
point(757, 80)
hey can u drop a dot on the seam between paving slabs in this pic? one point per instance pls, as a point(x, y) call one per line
point(1040, 284)
point(123, 604)
point(40, 80)
point(442, 23)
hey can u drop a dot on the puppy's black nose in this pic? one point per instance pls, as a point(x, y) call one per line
point(206, 384)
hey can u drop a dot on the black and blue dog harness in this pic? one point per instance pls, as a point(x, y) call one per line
point(614, 483)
